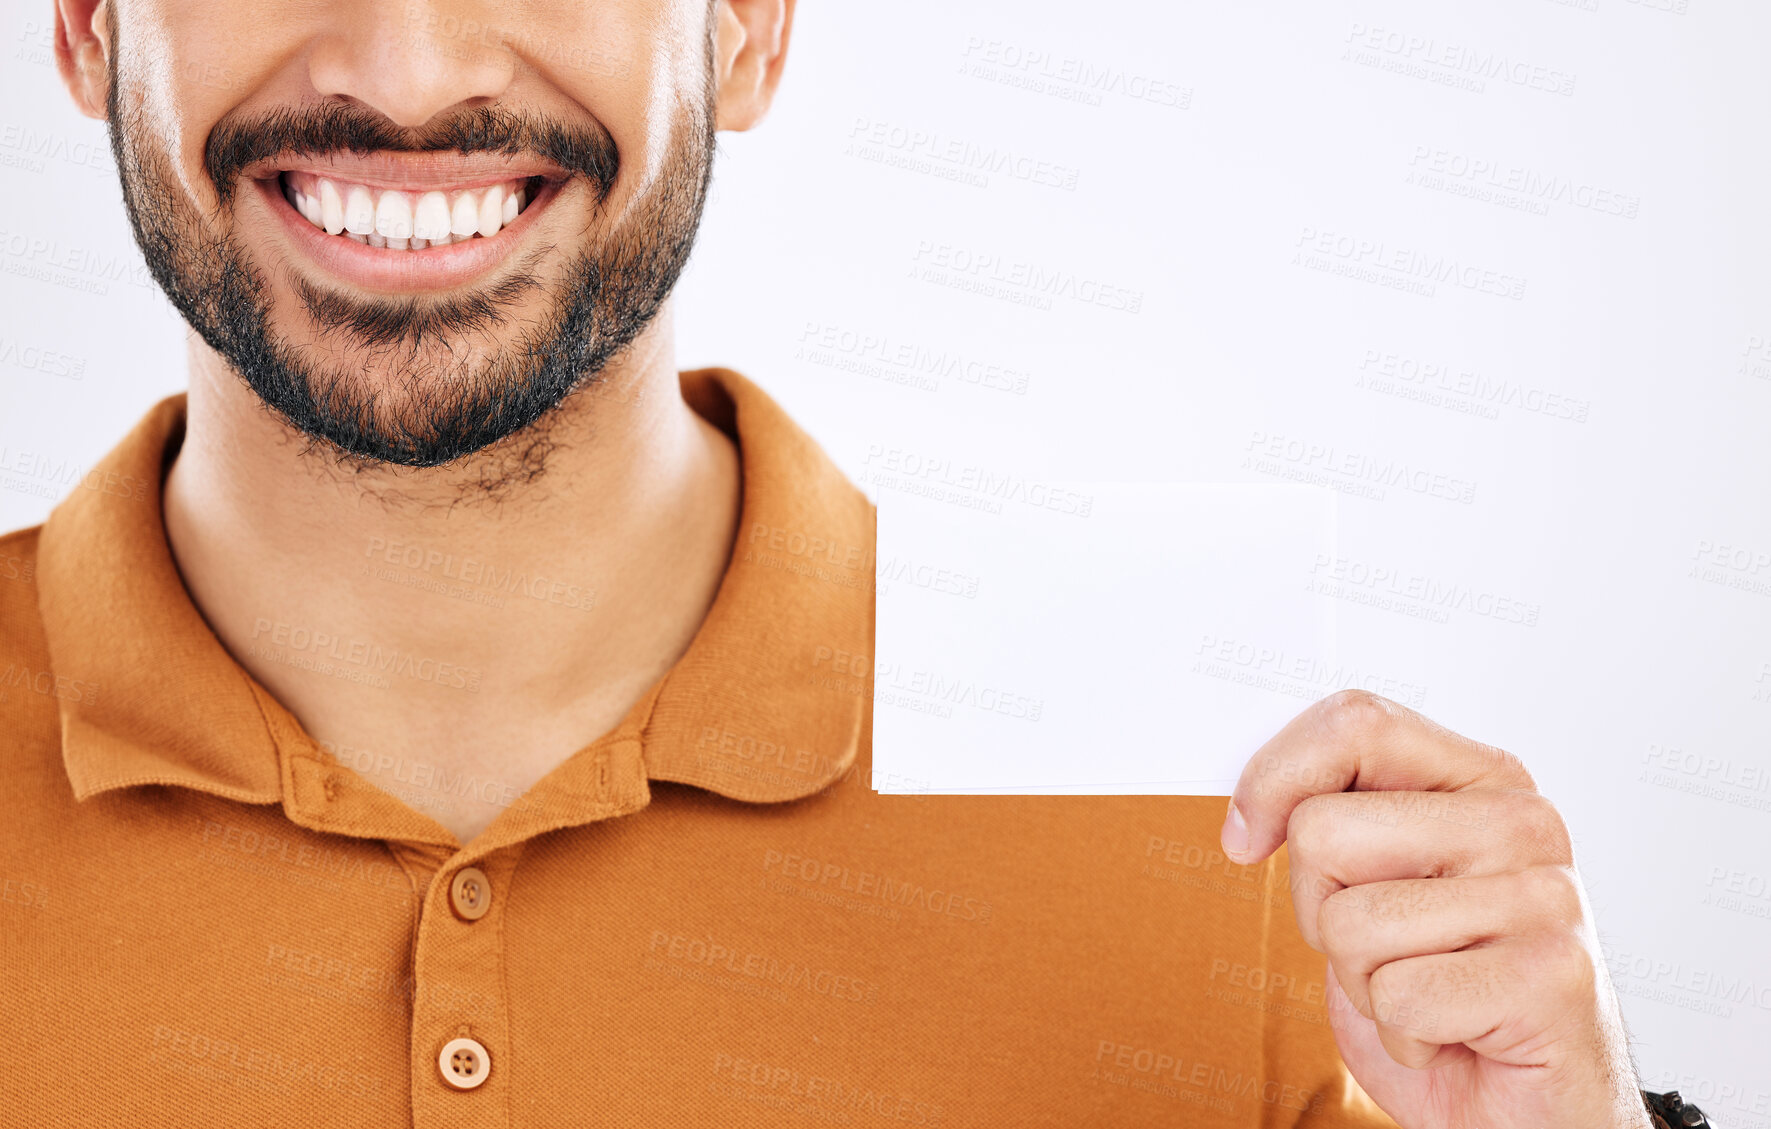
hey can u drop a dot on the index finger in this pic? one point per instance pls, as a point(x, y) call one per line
point(1354, 740)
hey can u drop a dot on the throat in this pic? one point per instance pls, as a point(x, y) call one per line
point(454, 656)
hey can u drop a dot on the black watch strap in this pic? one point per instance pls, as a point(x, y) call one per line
point(1670, 1111)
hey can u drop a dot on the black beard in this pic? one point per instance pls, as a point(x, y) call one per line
point(606, 296)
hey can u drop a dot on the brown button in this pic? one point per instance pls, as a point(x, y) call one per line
point(470, 893)
point(464, 1063)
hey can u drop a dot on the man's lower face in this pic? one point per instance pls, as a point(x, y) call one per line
point(411, 296)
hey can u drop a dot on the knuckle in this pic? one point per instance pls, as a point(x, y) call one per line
point(1309, 887)
point(1538, 826)
point(1569, 965)
point(1342, 921)
point(1310, 831)
point(1555, 892)
point(1411, 900)
point(1352, 997)
point(1357, 714)
point(1411, 993)
point(1391, 989)
point(1509, 766)
point(1284, 773)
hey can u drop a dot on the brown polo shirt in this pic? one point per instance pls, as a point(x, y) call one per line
point(703, 918)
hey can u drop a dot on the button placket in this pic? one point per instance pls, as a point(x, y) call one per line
point(460, 1019)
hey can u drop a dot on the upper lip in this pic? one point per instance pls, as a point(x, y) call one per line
point(411, 172)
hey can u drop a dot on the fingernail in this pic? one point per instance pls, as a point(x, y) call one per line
point(1235, 834)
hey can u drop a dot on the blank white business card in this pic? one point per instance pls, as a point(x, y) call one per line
point(1105, 638)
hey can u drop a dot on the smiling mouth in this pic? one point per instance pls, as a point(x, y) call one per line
point(398, 220)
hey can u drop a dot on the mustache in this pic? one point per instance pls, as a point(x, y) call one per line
point(237, 143)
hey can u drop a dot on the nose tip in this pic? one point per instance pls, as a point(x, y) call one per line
point(396, 61)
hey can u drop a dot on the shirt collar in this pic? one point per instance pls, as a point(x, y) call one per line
point(767, 704)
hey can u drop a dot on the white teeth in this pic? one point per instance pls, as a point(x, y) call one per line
point(393, 216)
point(402, 220)
point(331, 208)
point(430, 220)
point(359, 211)
point(492, 211)
point(464, 218)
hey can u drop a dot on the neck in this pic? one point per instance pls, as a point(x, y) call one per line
point(405, 617)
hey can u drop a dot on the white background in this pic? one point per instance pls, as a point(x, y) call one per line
point(1266, 184)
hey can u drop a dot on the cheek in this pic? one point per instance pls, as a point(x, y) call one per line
point(185, 66)
point(635, 66)
point(678, 68)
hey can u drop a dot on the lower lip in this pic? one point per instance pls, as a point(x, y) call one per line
point(378, 268)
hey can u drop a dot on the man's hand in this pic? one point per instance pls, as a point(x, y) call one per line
point(1465, 984)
